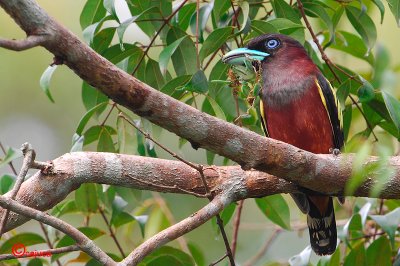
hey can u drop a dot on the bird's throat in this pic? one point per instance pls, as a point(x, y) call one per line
point(282, 88)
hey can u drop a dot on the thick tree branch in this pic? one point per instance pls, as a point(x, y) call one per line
point(50, 186)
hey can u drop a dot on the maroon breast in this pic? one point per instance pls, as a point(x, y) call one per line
point(303, 123)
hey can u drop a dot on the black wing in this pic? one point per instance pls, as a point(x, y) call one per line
point(333, 109)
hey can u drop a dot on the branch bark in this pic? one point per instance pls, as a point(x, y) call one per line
point(50, 186)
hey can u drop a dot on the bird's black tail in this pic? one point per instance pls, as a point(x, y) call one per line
point(322, 225)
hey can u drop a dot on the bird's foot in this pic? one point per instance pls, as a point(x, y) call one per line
point(334, 151)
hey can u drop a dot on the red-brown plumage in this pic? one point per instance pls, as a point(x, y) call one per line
point(303, 123)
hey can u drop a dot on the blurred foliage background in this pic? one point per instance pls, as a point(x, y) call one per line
point(26, 114)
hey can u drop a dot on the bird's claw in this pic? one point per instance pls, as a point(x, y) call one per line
point(334, 151)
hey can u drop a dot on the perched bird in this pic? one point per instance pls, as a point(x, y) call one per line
point(298, 106)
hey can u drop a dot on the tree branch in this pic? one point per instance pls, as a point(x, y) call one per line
point(25, 44)
point(82, 241)
point(47, 188)
point(51, 251)
point(198, 218)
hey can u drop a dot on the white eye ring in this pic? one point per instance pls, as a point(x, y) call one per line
point(272, 43)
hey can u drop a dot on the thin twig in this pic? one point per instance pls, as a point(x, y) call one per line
point(44, 252)
point(156, 35)
point(330, 64)
point(219, 260)
point(29, 157)
point(236, 224)
point(234, 19)
point(264, 248)
point(108, 114)
point(82, 241)
point(112, 234)
point(46, 235)
point(25, 44)
point(197, 32)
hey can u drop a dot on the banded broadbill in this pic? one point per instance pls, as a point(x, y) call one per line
point(298, 106)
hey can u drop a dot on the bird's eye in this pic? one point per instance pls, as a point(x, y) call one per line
point(272, 43)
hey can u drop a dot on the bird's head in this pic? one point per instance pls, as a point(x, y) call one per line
point(272, 52)
point(286, 69)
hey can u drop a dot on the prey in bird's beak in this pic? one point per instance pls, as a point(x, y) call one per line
point(240, 55)
point(242, 60)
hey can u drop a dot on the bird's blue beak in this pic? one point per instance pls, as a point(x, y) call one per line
point(240, 56)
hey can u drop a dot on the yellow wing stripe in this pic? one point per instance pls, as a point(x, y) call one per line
point(339, 109)
point(264, 119)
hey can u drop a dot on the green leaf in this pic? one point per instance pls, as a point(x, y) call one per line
point(77, 143)
point(124, 25)
point(27, 239)
point(389, 223)
point(45, 81)
point(183, 59)
point(167, 256)
point(90, 31)
point(284, 10)
point(275, 208)
point(167, 52)
point(315, 9)
point(126, 137)
point(174, 87)
point(220, 7)
point(85, 119)
point(184, 15)
point(210, 106)
point(288, 27)
point(142, 220)
point(219, 72)
point(86, 198)
point(92, 97)
point(109, 5)
point(214, 41)
point(10, 156)
point(381, 8)
point(197, 254)
point(379, 252)
point(153, 76)
point(121, 218)
point(204, 14)
point(92, 12)
point(115, 55)
point(363, 24)
point(102, 39)
point(244, 21)
point(394, 6)
point(6, 183)
point(106, 143)
point(65, 208)
point(393, 107)
point(366, 92)
point(353, 45)
point(356, 256)
point(198, 83)
point(262, 27)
